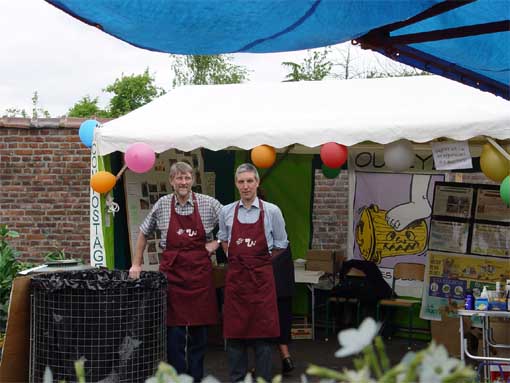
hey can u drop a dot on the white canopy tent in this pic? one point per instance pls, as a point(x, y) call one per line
point(215, 117)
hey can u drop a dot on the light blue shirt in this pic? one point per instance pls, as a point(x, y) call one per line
point(274, 225)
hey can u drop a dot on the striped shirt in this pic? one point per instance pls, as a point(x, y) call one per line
point(159, 217)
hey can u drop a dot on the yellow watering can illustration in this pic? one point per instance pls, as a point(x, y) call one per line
point(376, 239)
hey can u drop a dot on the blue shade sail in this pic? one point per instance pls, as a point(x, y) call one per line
point(468, 41)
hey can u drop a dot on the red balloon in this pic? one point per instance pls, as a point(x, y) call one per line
point(333, 155)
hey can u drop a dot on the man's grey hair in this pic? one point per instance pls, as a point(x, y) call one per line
point(180, 167)
point(243, 168)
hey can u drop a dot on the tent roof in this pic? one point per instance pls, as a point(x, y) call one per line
point(464, 40)
point(309, 113)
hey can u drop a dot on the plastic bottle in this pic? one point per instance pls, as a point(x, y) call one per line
point(469, 300)
point(484, 293)
point(507, 294)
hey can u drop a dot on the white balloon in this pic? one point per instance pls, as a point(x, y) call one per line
point(399, 155)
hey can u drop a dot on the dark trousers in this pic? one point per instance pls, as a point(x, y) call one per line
point(237, 353)
point(186, 350)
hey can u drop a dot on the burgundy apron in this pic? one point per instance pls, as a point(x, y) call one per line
point(250, 309)
point(188, 269)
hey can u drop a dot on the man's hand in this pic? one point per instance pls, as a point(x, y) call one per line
point(212, 246)
point(134, 271)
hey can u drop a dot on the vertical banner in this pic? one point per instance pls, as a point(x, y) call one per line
point(97, 246)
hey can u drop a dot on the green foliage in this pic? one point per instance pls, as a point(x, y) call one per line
point(315, 67)
point(87, 107)
point(9, 267)
point(37, 110)
point(59, 255)
point(206, 70)
point(131, 92)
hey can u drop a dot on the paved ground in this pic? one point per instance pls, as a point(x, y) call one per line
point(304, 352)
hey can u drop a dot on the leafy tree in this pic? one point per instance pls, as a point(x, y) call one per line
point(15, 112)
point(131, 92)
point(87, 107)
point(315, 67)
point(37, 110)
point(203, 70)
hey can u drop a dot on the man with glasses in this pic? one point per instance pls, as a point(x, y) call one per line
point(186, 221)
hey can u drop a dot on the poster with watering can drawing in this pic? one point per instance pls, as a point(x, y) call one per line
point(391, 216)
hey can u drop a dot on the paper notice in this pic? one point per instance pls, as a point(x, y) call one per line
point(451, 155)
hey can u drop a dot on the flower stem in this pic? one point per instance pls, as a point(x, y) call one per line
point(462, 374)
point(411, 375)
point(371, 360)
point(381, 350)
point(324, 372)
point(391, 375)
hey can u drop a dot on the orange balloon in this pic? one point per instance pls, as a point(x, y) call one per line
point(102, 182)
point(493, 164)
point(263, 156)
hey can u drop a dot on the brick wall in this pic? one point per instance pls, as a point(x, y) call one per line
point(44, 192)
point(330, 215)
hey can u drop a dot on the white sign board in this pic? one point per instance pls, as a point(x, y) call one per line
point(451, 155)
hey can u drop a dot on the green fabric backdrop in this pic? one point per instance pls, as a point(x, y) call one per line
point(289, 185)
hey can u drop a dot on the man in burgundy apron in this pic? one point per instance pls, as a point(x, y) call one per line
point(185, 261)
point(255, 231)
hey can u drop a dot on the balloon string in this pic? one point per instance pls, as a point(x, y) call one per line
point(119, 174)
point(499, 148)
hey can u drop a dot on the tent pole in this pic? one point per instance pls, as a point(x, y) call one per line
point(499, 148)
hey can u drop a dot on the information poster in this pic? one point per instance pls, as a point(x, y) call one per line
point(453, 201)
point(448, 275)
point(491, 240)
point(449, 236)
point(490, 207)
point(470, 219)
point(144, 190)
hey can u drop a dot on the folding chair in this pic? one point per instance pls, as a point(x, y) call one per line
point(405, 271)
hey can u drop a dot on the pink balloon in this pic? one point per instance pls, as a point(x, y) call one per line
point(140, 157)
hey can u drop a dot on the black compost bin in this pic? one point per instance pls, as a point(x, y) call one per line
point(116, 324)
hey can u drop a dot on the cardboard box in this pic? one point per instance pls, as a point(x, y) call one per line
point(446, 332)
point(326, 266)
point(320, 255)
point(301, 331)
point(501, 334)
point(321, 260)
point(14, 365)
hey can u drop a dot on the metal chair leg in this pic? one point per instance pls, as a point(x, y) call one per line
point(410, 322)
point(327, 317)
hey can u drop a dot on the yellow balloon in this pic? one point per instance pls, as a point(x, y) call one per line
point(493, 164)
point(102, 182)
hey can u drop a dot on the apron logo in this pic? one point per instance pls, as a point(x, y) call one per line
point(248, 241)
point(190, 232)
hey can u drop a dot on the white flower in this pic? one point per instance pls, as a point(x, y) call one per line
point(183, 378)
point(354, 340)
point(359, 376)
point(210, 379)
point(405, 363)
point(436, 364)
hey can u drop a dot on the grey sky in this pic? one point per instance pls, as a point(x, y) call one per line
point(64, 59)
